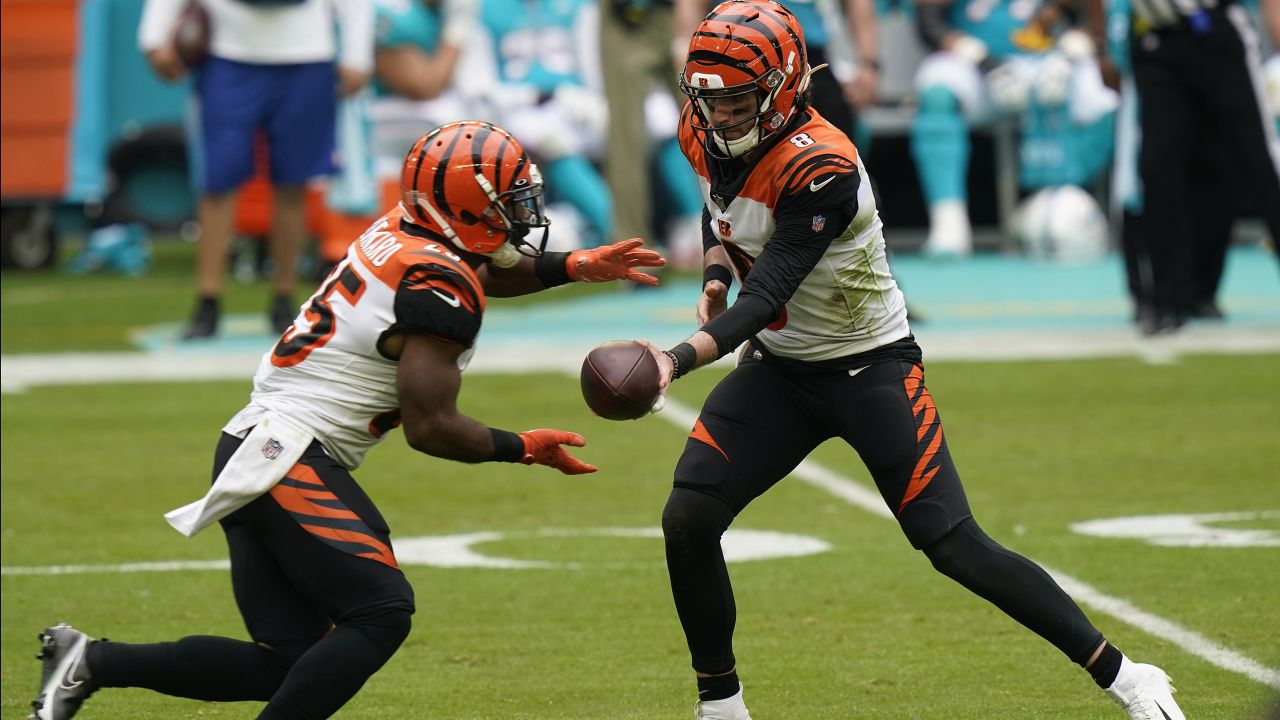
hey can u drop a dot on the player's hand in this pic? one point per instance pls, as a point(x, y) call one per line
point(542, 447)
point(350, 81)
point(713, 301)
point(860, 92)
point(614, 262)
point(166, 64)
point(666, 368)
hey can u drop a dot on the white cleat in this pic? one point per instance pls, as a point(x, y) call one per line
point(64, 678)
point(730, 708)
point(950, 235)
point(1145, 692)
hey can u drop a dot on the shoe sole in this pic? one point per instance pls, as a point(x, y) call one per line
point(54, 683)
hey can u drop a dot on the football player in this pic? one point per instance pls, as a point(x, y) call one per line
point(828, 354)
point(382, 343)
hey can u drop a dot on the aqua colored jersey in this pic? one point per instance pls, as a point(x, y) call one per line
point(1118, 24)
point(533, 41)
point(806, 12)
point(404, 22)
point(993, 21)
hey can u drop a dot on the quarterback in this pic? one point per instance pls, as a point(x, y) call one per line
point(382, 343)
point(828, 353)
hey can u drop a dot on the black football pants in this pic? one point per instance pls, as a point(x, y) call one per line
point(761, 421)
point(320, 593)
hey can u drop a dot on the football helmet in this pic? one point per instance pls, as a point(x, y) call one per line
point(746, 48)
point(473, 183)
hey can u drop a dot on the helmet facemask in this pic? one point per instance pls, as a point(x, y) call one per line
point(707, 90)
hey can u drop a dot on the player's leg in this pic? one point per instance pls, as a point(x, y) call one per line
point(752, 431)
point(1167, 113)
point(230, 100)
point(890, 418)
point(334, 548)
point(301, 137)
point(199, 667)
point(946, 87)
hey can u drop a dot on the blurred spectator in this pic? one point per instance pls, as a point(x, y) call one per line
point(643, 162)
point(533, 67)
point(994, 59)
point(417, 44)
point(271, 69)
point(1205, 124)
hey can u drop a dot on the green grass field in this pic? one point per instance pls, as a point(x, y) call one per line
point(865, 630)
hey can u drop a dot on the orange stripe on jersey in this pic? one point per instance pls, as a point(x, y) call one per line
point(814, 149)
point(700, 434)
point(420, 280)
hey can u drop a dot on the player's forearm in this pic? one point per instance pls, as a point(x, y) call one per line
point(461, 438)
point(862, 18)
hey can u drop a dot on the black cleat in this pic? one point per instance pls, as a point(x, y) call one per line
point(283, 312)
point(204, 324)
point(64, 680)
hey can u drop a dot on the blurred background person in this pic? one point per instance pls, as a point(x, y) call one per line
point(274, 68)
point(993, 60)
point(417, 44)
point(533, 67)
point(643, 163)
point(1204, 126)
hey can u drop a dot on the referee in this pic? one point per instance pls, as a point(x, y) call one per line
point(1196, 66)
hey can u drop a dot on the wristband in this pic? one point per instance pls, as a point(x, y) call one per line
point(551, 269)
point(716, 271)
point(507, 446)
point(683, 358)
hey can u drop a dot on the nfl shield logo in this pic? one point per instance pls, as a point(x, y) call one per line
point(272, 449)
point(819, 222)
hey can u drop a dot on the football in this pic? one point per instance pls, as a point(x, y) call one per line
point(191, 35)
point(620, 380)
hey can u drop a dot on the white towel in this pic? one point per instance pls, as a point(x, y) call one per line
point(268, 451)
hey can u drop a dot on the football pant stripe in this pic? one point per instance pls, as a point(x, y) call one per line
point(928, 435)
point(701, 434)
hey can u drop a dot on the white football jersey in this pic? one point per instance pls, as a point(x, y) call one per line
point(849, 303)
point(329, 371)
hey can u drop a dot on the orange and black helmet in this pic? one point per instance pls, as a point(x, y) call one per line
point(741, 47)
point(473, 183)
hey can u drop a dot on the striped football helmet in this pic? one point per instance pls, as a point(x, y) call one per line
point(746, 48)
point(473, 183)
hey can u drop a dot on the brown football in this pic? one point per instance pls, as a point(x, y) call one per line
point(620, 380)
point(191, 35)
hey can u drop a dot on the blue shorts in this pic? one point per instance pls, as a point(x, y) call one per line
point(293, 105)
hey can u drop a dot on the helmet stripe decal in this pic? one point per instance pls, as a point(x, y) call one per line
point(437, 186)
point(422, 146)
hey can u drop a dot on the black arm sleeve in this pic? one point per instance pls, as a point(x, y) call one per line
point(708, 238)
point(807, 222)
point(932, 23)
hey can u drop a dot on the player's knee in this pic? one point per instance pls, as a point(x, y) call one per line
point(938, 99)
point(693, 513)
point(385, 627)
point(961, 552)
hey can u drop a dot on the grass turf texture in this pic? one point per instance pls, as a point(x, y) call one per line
point(51, 311)
point(867, 630)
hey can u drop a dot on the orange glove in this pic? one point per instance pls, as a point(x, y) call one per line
point(543, 447)
point(614, 262)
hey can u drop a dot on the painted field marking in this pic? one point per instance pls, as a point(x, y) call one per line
point(1188, 640)
point(1186, 529)
point(458, 551)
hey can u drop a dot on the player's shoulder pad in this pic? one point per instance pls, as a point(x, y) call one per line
point(811, 157)
point(690, 145)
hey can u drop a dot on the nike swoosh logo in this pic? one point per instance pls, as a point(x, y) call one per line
point(815, 186)
point(1162, 712)
point(450, 299)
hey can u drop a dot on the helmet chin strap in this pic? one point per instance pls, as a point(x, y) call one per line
point(741, 146)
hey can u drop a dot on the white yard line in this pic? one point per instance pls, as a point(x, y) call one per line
point(1190, 641)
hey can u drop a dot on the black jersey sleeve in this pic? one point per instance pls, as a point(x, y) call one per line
point(434, 299)
point(804, 230)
